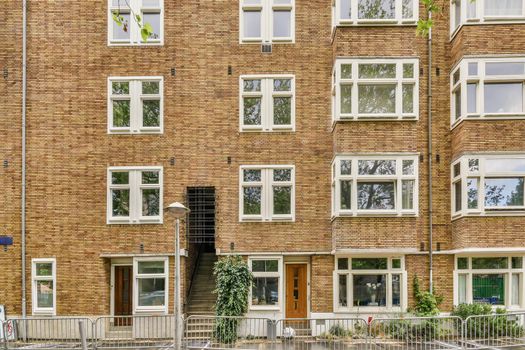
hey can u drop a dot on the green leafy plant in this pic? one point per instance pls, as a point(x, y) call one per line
point(427, 303)
point(339, 331)
point(234, 279)
point(436, 8)
point(146, 30)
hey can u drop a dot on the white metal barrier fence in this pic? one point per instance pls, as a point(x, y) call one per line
point(497, 331)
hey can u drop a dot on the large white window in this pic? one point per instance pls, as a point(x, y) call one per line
point(134, 195)
point(151, 284)
point(375, 184)
point(267, 283)
point(267, 20)
point(267, 193)
point(369, 283)
point(362, 12)
point(267, 103)
point(488, 185)
point(43, 272)
point(488, 88)
point(135, 105)
point(375, 89)
point(468, 12)
point(495, 280)
point(129, 33)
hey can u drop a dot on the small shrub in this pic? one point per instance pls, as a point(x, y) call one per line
point(339, 331)
point(427, 303)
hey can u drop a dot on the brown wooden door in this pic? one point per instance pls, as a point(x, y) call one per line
point(296, 291)
point(123, 295)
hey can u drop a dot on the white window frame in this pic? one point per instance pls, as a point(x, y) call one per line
point(34, 279)
point(137, 276)
point(355, 178)
point(136, 98)
point(354, 20)
point(478, 17)
point(267, 94)
point(462, 69)
point(349, 284)
point(267, 185)
point(266, 7)
point(508, 279)
point(481, 175)
point(135, 196)
point(338, 81)
point(133, 28)
point(279, 274)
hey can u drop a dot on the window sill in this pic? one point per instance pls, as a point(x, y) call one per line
point(145, 310)
point(248, 220)
point(49, 313)
point(487, 117)
point(271, 131)
point(491, 213)
point(260, 41)
point(134, 222)
point(128, 44)
point(487, 21)
point(129, 132)
point(374, 214)
point(264, 308)
point(378, 118)
point(369, 309)
point(379, 23)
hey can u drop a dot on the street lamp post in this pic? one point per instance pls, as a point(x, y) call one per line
point(177, 210)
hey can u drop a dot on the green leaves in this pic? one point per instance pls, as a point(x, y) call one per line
point(120, 21)
point(423, 26)
point(145, 31)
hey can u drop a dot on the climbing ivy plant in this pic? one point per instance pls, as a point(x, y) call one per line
point(427, 303)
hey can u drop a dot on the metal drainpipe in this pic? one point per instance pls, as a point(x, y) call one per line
point(430, 206)
point(23, 194)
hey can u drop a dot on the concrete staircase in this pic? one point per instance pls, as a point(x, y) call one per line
point(202, 300)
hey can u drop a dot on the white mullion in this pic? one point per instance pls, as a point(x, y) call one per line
point(267, 193)
point(135, 105)
point(354, 194)
point(266, 21)
point(399, 85)
point(399, 11)
point(135, 194)
point(267, 118)
point(353, 10)
point(355, 88)
point(481, 88)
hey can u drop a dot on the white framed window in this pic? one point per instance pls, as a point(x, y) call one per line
point(267, 193)
point(370, 283)
point(151, 284)
point(374, 12)
point(135, 105)
point(267, 21)
point(467, 12)
point(488, 88)
point(495, 280)
point(488, 185)
point(267, 285)
point(134, 195)
point(375, 185)
point(150, 11)
point(43, 272)
point(371, 89)
point(267, 103)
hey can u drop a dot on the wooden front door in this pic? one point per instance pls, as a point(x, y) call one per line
point(123, 295)
point(296, 291)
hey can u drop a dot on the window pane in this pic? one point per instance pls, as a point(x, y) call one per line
point(282, 174)
point(120, 202)
point(252, 111)
point(252, 200)
point(457, 103)
point(516, 277)
point(462, 289)
point(457, 13)
point(346, 71)
point(281, 24)
point(150, 202)
point(408, 9)
point(346, 195)
point(150, 3)
point(504, 98)
point(489, 263)
point(499, 165)
point(369, 290)
point(457, 196)
point(375, 99)
point(151, 291)
point(44, 293)
point(369, 263)
point(517, 262)
point(462, 263)
point(456, 75)
point(150, 177)
point(473, 68)
point(408, 167)
point(376, 9)
point(471, 9)
point(44, 269)
point(118, 31)
point(472, 193)
point(472, 90)
point(504, 68)
point(265, 266)
point(342, 264)
point(489, 289)
point(346, 9)
point(408, 194)
point(343, 290)
point(377, 70)
point(457, 169)
point(346, 167)
point(151, 113)
point(376, 167)
point(396, 263)
point(376, 196)
point(121, 113)
point(396, 290)
point(154, 20)
point(282, 110)
point(408, 98)
point(251, 175)
point(346, 99)
point(408, 70)
point(282, 85)
point(282, 200)
point(504, 192)
point(150, 87)
point(265, 291)
point(252, 85)
point(119, 177)
point(473, 165)
point(120, 88)
point(252, 24)
point(150, 267)
point(503, 8)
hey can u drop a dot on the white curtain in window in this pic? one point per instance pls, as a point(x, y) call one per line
point(503, 7)
point(462, 289)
